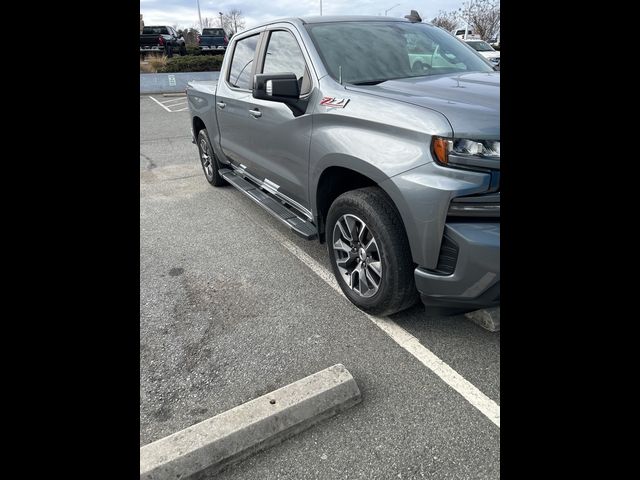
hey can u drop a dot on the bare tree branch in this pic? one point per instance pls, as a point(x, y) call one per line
point(233, 20)
point(447, 20)
point(483, 17)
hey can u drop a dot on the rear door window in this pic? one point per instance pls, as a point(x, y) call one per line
point(242, 62)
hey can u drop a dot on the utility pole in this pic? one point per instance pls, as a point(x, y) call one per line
point(199, 16)
point(466, 26)
point(320, 7)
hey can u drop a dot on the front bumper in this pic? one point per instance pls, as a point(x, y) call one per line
point(475, 281)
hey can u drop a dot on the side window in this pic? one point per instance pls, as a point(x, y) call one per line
point(242, 61)
point(284, 55)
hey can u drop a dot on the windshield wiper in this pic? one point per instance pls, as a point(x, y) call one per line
point(376, 82)
point(370, 82)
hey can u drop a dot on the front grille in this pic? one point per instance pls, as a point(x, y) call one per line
point(448, 257)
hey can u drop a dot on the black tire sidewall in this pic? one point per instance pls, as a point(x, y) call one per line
point(217, 180)
point(383, 300)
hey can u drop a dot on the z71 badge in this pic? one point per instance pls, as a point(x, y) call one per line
point(334, 102)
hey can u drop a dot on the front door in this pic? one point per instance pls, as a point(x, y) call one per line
point(282, 137)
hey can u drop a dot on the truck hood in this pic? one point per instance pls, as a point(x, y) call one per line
point(470, 101)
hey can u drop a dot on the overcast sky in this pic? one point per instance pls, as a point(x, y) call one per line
point(184, 13)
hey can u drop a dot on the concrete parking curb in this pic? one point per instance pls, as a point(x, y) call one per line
point(210, 445)
point(488, 318)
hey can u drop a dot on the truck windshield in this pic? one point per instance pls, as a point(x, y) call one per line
point(155, 30)
point(213, 32)
point(481, 46)
point(372, 52)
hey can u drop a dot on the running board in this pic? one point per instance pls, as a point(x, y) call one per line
point(302, 227)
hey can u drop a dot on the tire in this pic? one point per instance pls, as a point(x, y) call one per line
point(208, 160)
point(183, 50)
point(418, 67)
point(382, 246)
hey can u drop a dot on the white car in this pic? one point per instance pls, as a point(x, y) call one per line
point(484, 49)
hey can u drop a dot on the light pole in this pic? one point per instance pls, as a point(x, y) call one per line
point(199, 16)
point(388, 9)
point(320, 7)
point(466, 25)
point(221, 25)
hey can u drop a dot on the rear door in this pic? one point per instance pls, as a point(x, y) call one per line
point(234, 100)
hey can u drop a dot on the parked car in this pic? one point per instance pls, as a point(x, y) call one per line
point(213, 40)
point(460, 33)
point(324, 123)
point(161, 38)
point(486, 50)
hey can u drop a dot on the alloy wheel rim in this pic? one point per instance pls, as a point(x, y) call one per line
point(206, 158)
point(357, 255)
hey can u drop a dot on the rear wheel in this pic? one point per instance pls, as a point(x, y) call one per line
point(369, 252)
point(208, 160)
point(183, 50)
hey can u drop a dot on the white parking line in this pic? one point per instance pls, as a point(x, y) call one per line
point(159, 103)
point(168, 106)
point(403, 338)
point(180, 101)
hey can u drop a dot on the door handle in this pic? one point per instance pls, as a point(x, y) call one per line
point(256, 113)
point(221, 104)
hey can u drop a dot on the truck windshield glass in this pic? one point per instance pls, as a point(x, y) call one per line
point(481, 46)
point(374, 52)
point(155, 30)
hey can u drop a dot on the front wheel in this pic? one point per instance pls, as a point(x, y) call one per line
point(369, 252)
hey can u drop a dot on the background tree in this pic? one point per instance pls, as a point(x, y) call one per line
point(208, 22)
point(483, 17)
point(190, 35)
point(233, 20)
point(447, 20)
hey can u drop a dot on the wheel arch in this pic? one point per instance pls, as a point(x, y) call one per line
point(342, 174)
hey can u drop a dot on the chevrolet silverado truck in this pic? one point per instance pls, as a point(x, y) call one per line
point(327, 124)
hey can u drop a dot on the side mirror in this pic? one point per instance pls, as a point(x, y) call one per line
point(277, 87)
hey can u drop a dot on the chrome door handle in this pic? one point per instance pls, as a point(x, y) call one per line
point(221, 104)
point(256, 113)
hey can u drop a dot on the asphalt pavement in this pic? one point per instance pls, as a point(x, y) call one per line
point(227, 313)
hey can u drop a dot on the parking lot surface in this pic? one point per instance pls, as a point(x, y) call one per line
point(228, 313)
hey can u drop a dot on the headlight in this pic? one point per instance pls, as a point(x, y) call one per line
point(463, 152)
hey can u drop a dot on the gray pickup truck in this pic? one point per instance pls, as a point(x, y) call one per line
point(331, 125)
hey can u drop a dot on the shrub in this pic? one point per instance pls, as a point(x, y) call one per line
point(153, 63)
point(193, 50)
point(192, 63)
